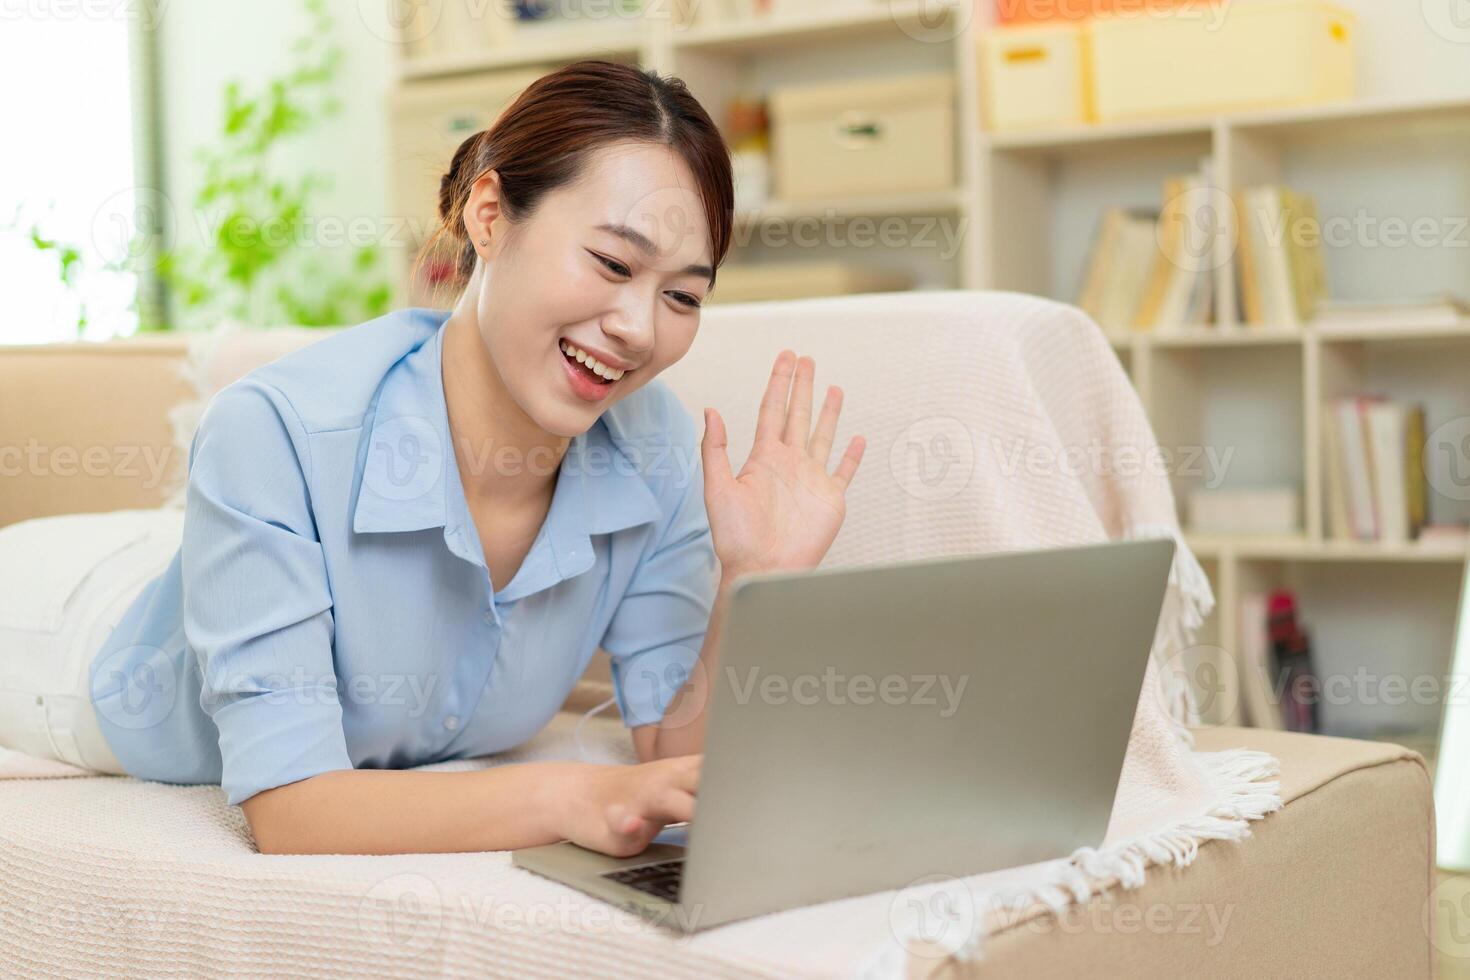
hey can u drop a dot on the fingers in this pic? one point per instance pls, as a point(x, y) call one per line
point(670, 796)
point(799, 416)
point(686, 770)
point(713, 450)
point(772, 418)
point(670, 806)
point(791, 425)
point(635, 823)
point(821, 445)
point(849, 464)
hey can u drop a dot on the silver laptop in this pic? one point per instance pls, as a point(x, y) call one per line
point(871, 726)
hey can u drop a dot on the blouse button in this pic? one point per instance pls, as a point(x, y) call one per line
point(452, 722)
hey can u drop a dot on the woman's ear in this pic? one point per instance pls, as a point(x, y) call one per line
point(481, 209)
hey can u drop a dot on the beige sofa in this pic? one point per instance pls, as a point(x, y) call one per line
point(1336, 883)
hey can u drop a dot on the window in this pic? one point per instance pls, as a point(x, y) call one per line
point(70, 169)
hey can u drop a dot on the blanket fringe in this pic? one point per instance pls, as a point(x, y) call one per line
point(1242, 779)
point(1188, 600)
point(1247, 791)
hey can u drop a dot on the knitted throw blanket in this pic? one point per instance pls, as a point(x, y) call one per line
point(1001, 422)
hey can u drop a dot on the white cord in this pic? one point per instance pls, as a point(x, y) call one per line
point(577, 732)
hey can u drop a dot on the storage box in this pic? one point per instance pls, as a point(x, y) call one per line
point(427, 120)
point(744, 282)
point(1237, 56)
point(1034, 77)
point(870, 137)
point(1263, 510)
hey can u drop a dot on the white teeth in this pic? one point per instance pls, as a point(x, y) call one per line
point(597, 367)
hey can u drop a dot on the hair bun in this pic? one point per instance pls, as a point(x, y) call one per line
point(450, 181)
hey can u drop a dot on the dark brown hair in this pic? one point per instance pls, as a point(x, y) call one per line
point(543, 139)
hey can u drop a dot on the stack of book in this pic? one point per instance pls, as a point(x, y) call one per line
point(1154, 268)
point(1374, 467)
point(1280, 272)
point(1444, 311)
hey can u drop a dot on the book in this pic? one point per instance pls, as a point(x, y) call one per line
point(1357, 475)
point(1246, 249)
point(1416, 484)
point(1171, 231)
point(1282, 273)
point(1308, 268)
point(1180, 290)
point(1339, 524)
point(1099, 268)
point(1276, 257)
point(1119, 265)
point(1262, 702)
point(1386, 425)
point(1373, 469)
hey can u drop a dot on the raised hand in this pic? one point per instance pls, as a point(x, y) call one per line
point(783, 509)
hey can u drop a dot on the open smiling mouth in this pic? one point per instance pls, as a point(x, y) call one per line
point(589, 366)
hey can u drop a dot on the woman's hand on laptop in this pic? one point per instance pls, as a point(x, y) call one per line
point(783, 510)
point(618, 810)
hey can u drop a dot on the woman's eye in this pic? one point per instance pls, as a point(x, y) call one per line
point(692, 302)
point(613, 265)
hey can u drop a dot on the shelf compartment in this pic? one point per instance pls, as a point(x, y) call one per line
point(1428, 369)
point(1392, 190)
point(1373, 636)
point(1228, 417)
point(1044, 211)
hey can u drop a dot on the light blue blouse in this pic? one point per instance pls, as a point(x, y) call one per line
point(329, 606)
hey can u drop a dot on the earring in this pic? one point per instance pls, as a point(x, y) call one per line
point(484, 241)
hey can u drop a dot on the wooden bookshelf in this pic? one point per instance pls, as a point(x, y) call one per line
point(1028, 203)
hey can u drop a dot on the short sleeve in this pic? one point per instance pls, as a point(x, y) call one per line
point(257, 607)
point(658, 628)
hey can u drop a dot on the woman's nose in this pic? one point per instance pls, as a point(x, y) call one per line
point(633, 331)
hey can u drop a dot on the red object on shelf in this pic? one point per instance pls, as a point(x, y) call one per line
point(1281, 616)
point(1296, 676)
point(1046, 11)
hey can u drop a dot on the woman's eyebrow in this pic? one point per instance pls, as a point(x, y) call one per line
point(641, 242)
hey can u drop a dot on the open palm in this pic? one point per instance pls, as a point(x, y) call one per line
point(784, 509)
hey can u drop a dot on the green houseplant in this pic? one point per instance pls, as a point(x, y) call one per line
point(258, 263)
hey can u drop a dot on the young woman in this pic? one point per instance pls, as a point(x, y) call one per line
point(404, 542)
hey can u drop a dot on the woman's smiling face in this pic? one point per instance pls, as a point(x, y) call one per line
point(616, 264)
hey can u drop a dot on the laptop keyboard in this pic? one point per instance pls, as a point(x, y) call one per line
point(659, 880)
